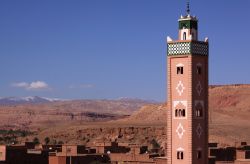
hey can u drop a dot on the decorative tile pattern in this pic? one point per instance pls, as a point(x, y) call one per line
point(180, 88)
point(182, 48)
point(180, 130)
point(179, 48)
point(199, 130)
point(200, 49)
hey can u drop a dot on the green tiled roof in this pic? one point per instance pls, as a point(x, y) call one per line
point(189, 24)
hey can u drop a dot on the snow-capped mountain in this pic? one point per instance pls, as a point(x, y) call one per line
point(136, 100)
point(25, 100)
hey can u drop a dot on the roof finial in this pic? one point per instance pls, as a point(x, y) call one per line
point(188, 8)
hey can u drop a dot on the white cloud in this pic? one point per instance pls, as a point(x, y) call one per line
point(38, 85)
point(35, 85)
point(20, 85)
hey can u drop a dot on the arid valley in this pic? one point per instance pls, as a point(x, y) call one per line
point(128, 120)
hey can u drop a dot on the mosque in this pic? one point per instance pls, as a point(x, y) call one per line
point(187, 116)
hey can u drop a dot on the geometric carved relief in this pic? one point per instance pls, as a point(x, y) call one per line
point(199, 130)
point(180, 130)
point(180, 102)
point(199, 88)
point(180, 88)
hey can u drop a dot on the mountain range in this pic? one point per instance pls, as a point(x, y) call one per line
point(25, 100)
point(229, 113)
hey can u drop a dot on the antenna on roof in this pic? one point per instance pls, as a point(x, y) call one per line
point(188, 7)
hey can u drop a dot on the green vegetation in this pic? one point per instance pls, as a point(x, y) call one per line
point(46, 140)
point(18, 133)
point(36, 140)
point(10, 136)
point(60, 142)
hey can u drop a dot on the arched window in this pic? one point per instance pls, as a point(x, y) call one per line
point(180, 113)
point(198, 154)
point(183, 113)
point(201, 114)
point(198, 70)
point(198, 112)
point(180, 155)
point(184, 35)
point(179, 70)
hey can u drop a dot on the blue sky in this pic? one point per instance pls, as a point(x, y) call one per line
point(106, 49)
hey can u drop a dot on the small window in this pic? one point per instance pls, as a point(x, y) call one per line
point(198, 112)
point(180, 155)
point(198, 69)
point(179, 70)
point(184, 36)
point(183, 113)
point(180, 113)
point(198, 154)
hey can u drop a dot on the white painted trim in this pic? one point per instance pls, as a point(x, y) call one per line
point(183, 102)
point(169, 39)
point(180, 65)
point(180, 149)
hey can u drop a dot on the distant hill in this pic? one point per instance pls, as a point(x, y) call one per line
point(229, 113)
point(152, 114)
point(222, 99)
point(39, 112)
point(230, 97)
point(25, 100)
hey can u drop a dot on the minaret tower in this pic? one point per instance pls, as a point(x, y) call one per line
point(187, 120)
